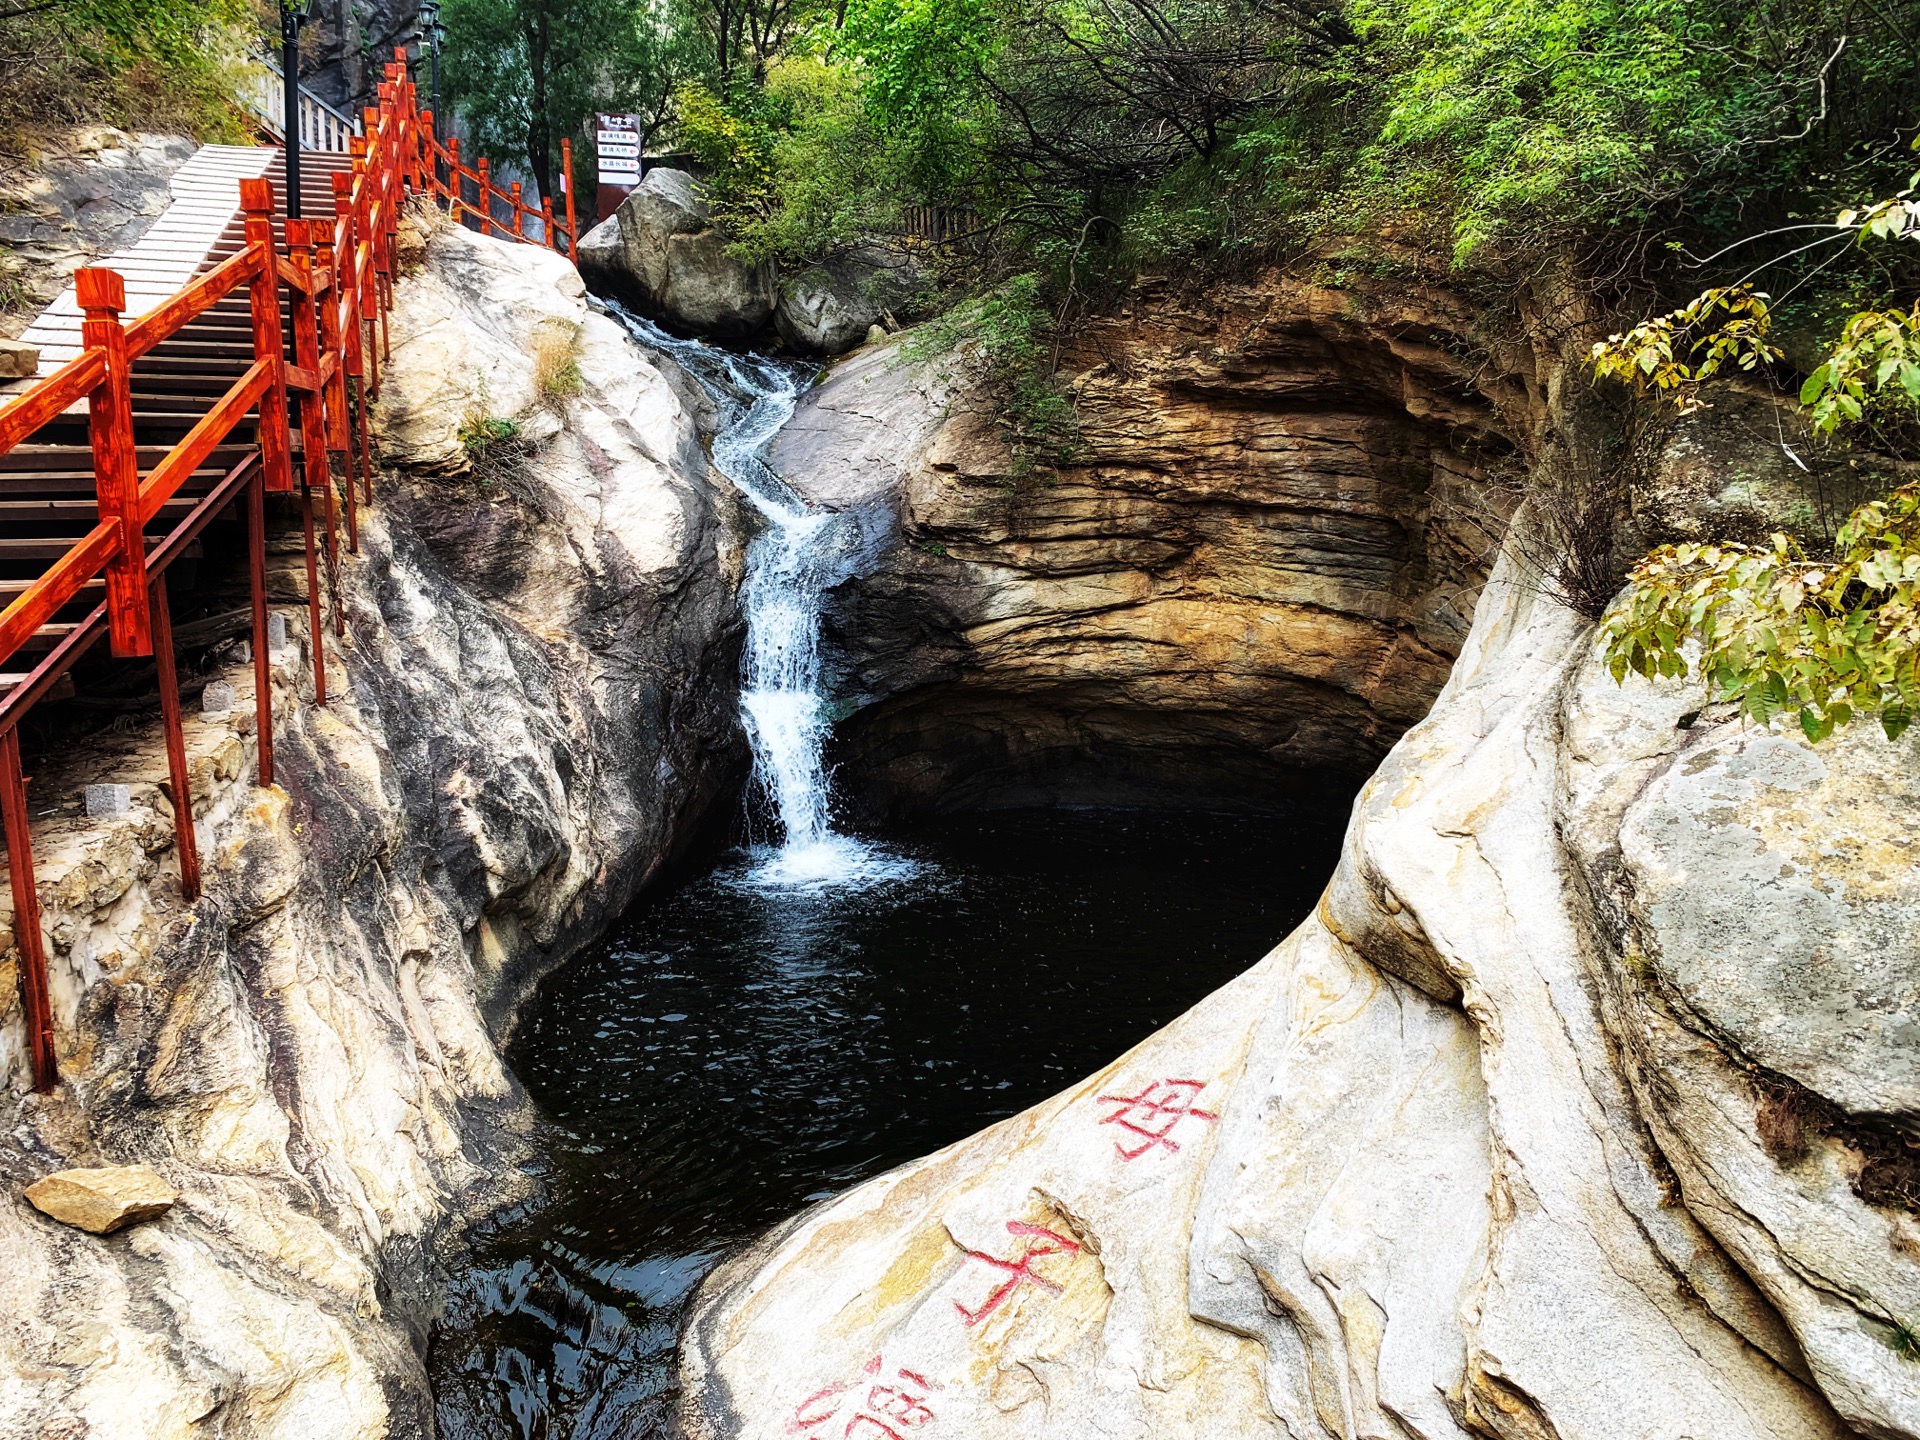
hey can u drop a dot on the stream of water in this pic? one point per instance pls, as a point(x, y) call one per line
point(800, 552)
point(821, 1006)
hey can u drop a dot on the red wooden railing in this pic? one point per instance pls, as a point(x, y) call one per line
point(337, 279)
point(134, 614)
point(452, 191)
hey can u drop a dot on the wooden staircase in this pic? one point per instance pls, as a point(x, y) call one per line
point(47, 485)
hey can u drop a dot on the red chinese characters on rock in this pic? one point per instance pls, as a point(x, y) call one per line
point(1154, 1114)
point(891, 1409)
point(1036, 1243)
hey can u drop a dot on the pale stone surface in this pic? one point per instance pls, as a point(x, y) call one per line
point(79, 192)
point(665, 257)
point(834, 305)
point(533, 704)
point(108, 801)
point(18, 359)
point(102, 1198)
point(1473, 1166)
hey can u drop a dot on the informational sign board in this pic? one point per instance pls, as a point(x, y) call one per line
point(617, 141)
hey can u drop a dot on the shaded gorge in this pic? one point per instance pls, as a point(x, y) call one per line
point(734, 1053)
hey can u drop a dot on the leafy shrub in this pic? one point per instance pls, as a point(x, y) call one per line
point(1779, 633)
point(1676, 353)
point(168, 65)
point(480, 432)
point(1008, 332)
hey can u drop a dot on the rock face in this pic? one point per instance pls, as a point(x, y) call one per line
point(1265, 558)
point(1528, 1133)
point(828, 308)
point(531, 713)
point(347, 43)
point(104, 1198)
point(1583, 1108)
point(91, 190)
point(660, 253)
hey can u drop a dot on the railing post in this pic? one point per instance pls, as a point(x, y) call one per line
point(183, 837)
point(262, 659)
point(347, 254)
point(456, 180)
point(546, 223)
point(256, 199)
point(519, 230)
point(382, 219)
point(35, 1002)
point(566, 180)
point(486, 199)
point(365, 246)
point(313, 436)
point(116, 475)
point(326, 306)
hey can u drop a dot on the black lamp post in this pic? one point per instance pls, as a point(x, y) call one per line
point(293, 14)
point(433, 32)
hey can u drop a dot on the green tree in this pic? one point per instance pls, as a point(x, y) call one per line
point(525, 73)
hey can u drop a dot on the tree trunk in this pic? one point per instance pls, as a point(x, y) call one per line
point(539, 122)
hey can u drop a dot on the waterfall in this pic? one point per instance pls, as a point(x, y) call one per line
point(798, 555)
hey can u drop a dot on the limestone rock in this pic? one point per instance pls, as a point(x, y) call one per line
point(671, 262)
point(345, 44)
point(833, 306)
point(18, 359)
point(85, 191)
point(102, 1198)
point(1265, 557)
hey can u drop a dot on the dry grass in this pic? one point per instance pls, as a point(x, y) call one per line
point(556, 370)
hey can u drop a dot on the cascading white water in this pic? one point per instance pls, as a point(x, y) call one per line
point(800, 553)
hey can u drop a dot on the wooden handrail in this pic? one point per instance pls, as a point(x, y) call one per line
point(168, 318)
point(55, 395)
point(337, 277)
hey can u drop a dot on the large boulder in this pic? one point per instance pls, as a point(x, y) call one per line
point(662, 254)
point(827, 308)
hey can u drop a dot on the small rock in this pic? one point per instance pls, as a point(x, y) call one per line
point(217, 698)
point(18, 359)
point(276, 633)
point(108, 802)
point(876, 334)
point(104, 1198)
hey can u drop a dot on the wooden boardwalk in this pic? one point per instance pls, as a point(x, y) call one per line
point(206, 198)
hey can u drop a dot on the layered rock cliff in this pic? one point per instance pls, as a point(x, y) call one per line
point(1578, 1110)
point(1265, 558)
point(1575, 1111)
point(531, 711)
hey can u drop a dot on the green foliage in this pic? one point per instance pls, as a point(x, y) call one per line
point(1530, 119)
point(479, 432)
point(1674, 354)
point(792, 168)
point(170, 65)
point(1006, 332)
point(524, 74)
point(1874, 367)
point(1827, 641)
point(1877, 360)
point(1905, 1341)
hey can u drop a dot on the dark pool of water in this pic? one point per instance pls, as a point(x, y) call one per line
point(731, 1054)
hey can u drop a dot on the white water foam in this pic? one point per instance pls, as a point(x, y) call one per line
point(802, 551)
